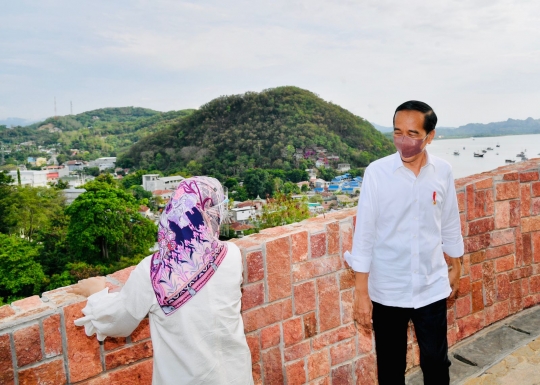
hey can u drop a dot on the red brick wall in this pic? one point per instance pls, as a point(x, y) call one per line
point(297, 298)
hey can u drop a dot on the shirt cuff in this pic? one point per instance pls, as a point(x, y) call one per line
point(89, 319)
point(454, 251)
point(358, 264)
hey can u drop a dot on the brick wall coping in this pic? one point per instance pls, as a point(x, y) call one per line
point(297, 297)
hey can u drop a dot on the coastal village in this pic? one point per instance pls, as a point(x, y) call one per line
point(321, 196)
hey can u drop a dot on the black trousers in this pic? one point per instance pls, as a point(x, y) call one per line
point(390, 326)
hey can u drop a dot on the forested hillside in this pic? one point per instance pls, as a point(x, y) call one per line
point(103, 132)
point(234, 133)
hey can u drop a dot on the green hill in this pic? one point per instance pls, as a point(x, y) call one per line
point(102, 132)
point(233, 133)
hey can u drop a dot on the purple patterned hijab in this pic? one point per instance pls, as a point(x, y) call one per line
point(189, 247)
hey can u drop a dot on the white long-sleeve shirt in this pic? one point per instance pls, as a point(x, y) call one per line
point(401, 234)
point(202, 343)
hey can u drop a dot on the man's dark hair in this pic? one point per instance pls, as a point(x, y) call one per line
point(430, 119)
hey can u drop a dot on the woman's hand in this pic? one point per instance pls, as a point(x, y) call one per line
point(89, 286)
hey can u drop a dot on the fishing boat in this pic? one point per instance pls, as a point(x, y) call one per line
point(477, 155)
point(484, 151)
point(490, 148)
point(509, 161)
point(498, 145)
point(456, 152)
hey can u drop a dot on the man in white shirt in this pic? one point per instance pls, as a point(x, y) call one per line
point(407, 219)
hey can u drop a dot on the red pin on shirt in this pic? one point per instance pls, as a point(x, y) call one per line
point(434, 197)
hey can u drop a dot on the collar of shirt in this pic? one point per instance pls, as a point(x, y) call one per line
point(399, 163)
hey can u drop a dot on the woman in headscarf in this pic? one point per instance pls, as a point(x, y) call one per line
point(190, 289)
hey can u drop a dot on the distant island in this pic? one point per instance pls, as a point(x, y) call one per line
point(508, 127)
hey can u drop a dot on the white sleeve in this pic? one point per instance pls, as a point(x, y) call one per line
point(359, 259)
point(118, 314)
point(452, 240)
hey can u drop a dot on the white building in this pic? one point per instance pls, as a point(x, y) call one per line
point(242, 214)
point(103, 163)
point(152, 182)
point(72, 193)
point(75, 165)
point(343, 167)
point(30, 178)
point(62, 171)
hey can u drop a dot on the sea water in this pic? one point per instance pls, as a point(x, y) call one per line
point(466, 164)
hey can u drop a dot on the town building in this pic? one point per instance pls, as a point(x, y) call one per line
point(152, 182)
point(343, 167)
point(76, 165)
point(103, 163)
point(72, 193)
point(30, 178)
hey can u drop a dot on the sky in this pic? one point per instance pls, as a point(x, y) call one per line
point(475, 61)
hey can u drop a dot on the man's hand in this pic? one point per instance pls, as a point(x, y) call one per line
point(89, 286)
point(454, 275)
point(362, 309)
point(362, 306)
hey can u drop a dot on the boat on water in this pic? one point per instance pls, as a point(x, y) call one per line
point(464, 149)
point(477, 155)
point(523, 158)
point(521, 154)
point(456, 152)
point(484, 151)
point(498, 145)
point(490, 148)
point(509, 161)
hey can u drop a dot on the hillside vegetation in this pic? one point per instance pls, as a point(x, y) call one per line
point(103, 132)
point(234, 133)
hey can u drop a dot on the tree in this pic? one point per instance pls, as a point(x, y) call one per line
point(31, 209)
point(327, 173)
point(297, 175)
point(6, 190)
point(257, 182)
point(284, 210)
point(94, 171)
point(20, 274)
point(105, 225)
point(61, 185)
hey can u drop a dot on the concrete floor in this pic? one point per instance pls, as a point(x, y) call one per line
point(506, 353)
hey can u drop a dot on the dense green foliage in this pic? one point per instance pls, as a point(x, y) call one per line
point(20, 273)
point(283, 210)
point(44, 245)
point(105, 225)
point(232, 134)
point(97, 133)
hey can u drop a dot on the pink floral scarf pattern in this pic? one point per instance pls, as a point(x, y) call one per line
point(189, 247)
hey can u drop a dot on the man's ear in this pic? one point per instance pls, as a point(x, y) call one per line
point(431, 136)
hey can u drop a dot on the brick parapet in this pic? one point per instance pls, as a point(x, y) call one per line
point(298, 295)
